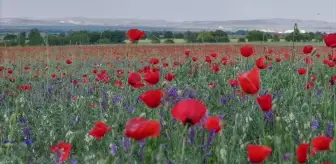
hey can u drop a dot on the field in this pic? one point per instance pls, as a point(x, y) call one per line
point(86, 104)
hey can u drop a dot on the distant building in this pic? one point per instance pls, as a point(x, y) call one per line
point(290, 31)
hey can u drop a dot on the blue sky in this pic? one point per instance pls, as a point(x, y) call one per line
point(172, 9)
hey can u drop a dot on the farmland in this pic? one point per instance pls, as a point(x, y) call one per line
point(182, 103)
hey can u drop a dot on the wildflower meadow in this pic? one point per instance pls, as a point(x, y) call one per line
point(168, 104)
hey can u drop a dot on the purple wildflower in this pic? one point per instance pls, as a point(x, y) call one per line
point(286, 156)
point(113, 149)
point(223, 100)
point(314, 124)
point(329, 130)
point(126, 143)
point(191, 135)
point(268, 116)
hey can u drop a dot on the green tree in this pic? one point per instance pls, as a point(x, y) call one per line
point(241, 40)
point(10, 37)
point(257, 35)
point(190, 37)
point(275, 38)
point(169, 41)
point(94, 37)
point(220, 36)
point(34, 37)
point(22, 39)
point(205, 37)
point(294, 36)
point(168, 35)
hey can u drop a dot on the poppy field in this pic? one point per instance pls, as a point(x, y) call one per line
point(168, 104)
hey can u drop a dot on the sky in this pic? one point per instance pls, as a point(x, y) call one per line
point(172, 10)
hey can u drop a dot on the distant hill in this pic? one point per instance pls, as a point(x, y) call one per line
point(272, 25)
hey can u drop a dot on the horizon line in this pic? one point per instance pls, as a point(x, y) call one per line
point(36, 18)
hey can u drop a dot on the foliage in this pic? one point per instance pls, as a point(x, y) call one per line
point(256, 35)
point(34, 37)
point(169, 41)
point(241, 40)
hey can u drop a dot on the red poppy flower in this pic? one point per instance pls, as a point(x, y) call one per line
point(258, 153)
point(265, 102)
point(187, 52)
point(25, 87)
point(307, 49)
point(301, 71)
point(194, 58)
point(120, 71)
point(212, 123)
point(212, 84)
point(140, 128)
point(301, 153)
point(152, 77)
point(26, 68)
point(68, 61)
point(99, 129)
point(215, 68)
point(189, 111)
point(309, 84)
point(224, 60)
point(213, 54)
point(118, 83)
point(134, 80)
point(63, 149)
point(152, 98)
point(233, 82)
point(207, 59)
point(165, 64)
point(53, 76)
point(260, 63)
point(154, 61)
point(321, 143)
point(250, 81)
point(135, 34)
point(246, 50)
point(286, 55)
point(9, 71)
point(330, 40)
point(169, 76)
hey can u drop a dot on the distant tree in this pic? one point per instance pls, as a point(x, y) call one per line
point(104, 41)
point(275, 38)
point(154, 35)
point(169, 41)
point(94, 37)
point(256, 35)
point(179, 35)
point(79, 37)
point(168, 35)
point(10, 40)
point(118, 37)
point(241, 40)
point(155, 40)
point(241, 32)
point(34, 37)
point(10, 37)
point(318, 36)
point(205, 37)
point(295, 36)
point(62, 34)
point(22, 39)
point(190, 37)
point(220, 36)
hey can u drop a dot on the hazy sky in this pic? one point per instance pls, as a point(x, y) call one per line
point(172, 9)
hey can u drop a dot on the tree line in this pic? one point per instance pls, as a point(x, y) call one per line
point(35, 37)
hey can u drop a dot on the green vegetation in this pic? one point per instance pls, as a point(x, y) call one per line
point(35, 37)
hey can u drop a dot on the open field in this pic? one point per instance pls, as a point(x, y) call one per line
point(206, 111)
